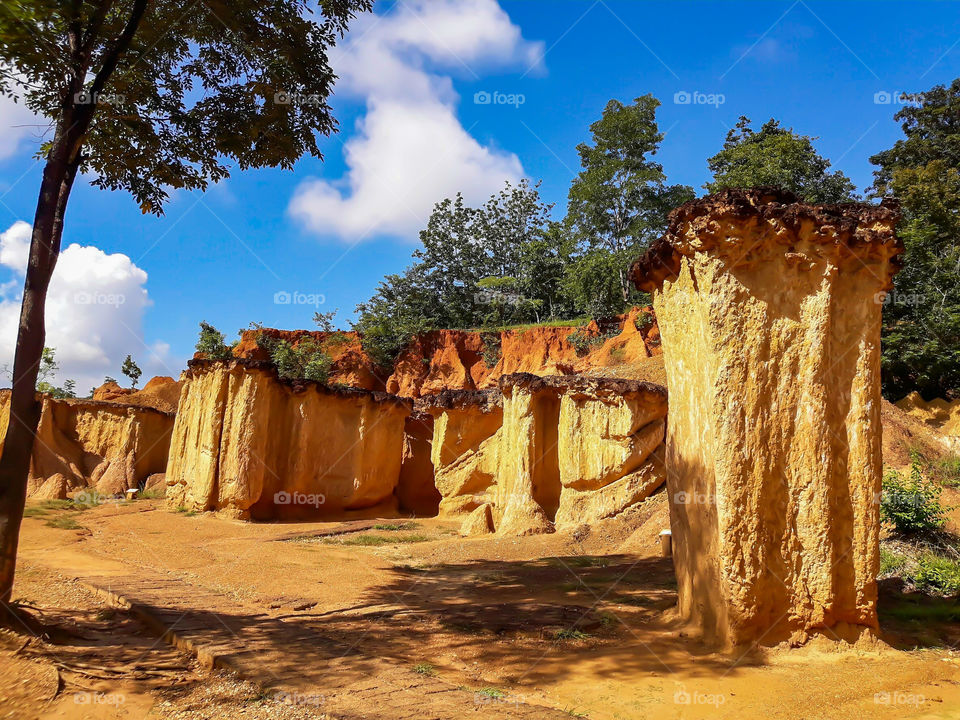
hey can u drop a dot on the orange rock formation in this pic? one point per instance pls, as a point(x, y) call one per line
point(770, 320)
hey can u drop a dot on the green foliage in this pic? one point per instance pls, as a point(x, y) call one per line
point(306, 360)
point(48, 368)
point(424, 669)
point(498, 264)
point(777, 156)
point(583, 342)
point(246, 81)
point(324, 321)
point(131, 370)
point(911, 504)
point(921, 317)
point(938, 574)
point(891, 562)
point(491, 348)
point(211, 343)
point(618, 204)
point(568, 634)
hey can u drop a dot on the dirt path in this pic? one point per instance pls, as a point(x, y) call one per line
point(381, 618)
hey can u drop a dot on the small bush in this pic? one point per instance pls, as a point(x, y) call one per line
point(211, 343)
point(891, 563)
point(937, 574)
point(424, 669)
point(571, 635)
point(491, 348)
point(911, 504)
point(304, 361)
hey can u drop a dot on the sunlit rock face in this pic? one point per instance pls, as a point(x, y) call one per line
point(250, 445)
point(769, 313)
point(542, 453)
point(83, 445)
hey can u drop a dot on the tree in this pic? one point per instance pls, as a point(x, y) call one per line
point(210, 343)
point(777, 156)
point(497, 264)
point(147, 95)
point(618, 204)
point(921, 317)
point(131, 370)
point(324, 321)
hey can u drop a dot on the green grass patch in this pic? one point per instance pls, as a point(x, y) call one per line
point(891, 562)
point(34, 511)
point(491, 692)
point(64, 523)
point(375, 540)
point(424, 669)
point(392, 527)
point(570, 634)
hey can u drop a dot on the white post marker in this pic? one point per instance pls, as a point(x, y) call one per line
point(666, 543)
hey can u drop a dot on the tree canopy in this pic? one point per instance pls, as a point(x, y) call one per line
point(777, 156)
point(921, 322)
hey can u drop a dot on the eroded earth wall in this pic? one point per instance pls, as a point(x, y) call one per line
point(250, 445)
point(105, 446)
point(769, 312)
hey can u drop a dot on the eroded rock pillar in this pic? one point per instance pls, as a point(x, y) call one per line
point(769, 310)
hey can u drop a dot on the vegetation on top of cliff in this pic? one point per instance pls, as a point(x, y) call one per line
point(131, 370)
point(510, 263)
point(211, 343)
point(777, 156)
point(921, 317)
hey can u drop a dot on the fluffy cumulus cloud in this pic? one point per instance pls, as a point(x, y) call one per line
point(410, 149)
point(94, 312)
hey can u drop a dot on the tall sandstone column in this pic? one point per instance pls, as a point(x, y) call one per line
point(769, 310)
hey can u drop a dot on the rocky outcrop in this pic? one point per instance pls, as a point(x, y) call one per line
point(545, 452)
point(160, 393)
point(251, 445)
point(80, 444)
point(464, 453)
point(769, 311)
point(938, 413)
point(351, 365)
point(455, 359)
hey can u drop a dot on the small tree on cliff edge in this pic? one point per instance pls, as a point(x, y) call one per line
point(131, 370)
point(147, 95)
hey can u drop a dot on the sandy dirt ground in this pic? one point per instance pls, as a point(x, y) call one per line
point(397, 618)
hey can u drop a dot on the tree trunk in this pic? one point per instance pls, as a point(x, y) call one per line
point(58, 176)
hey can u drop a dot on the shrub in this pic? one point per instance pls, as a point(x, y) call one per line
point(911, 504)
point(491, 348)
point(938, 574)
point(211, 343)
point(304, 361)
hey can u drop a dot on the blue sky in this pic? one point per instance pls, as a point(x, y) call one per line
point(412, 133)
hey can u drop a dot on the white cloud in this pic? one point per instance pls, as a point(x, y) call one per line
point(16, 123)
point(94, 312)
point(410, 150)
